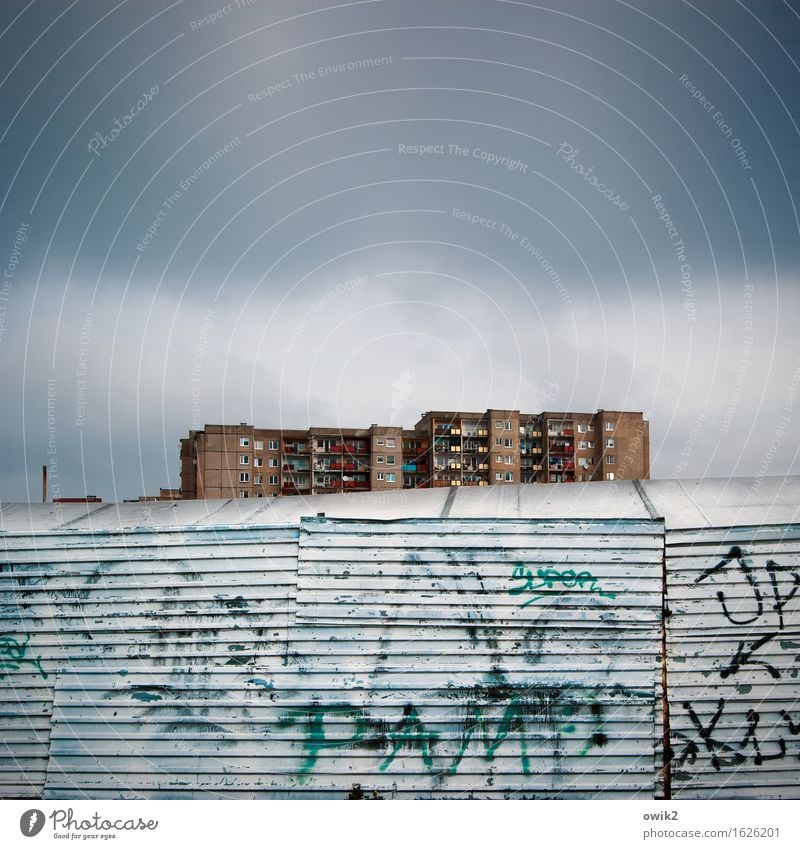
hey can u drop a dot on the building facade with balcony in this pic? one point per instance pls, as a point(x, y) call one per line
point(445, 448)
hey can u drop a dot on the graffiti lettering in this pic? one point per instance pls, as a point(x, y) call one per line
point(548, 579)
point(13, 653)
point(743, 658)
point(344, 726)
point(734, 751)
point(746, 569)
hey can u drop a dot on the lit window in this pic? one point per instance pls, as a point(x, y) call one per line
point(379, 458)
point(244, 477)
point(244, 442)
point(273, 480)
point(258, 461)
point(273, 462)
point(609, 476)
point(259, 445)
point(609, 443)
point(390, 443)
point(611, 459)
point(380, 476)
point(244, 460)
point(509, 476)
point(391, 477)
point(609, 425)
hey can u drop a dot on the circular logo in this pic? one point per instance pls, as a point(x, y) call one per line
point(31, 822)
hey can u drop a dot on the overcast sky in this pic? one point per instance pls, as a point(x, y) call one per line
point(299, 212)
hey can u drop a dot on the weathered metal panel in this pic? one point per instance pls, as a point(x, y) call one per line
point(734, 655)
point(427, 658)
point(167, 599)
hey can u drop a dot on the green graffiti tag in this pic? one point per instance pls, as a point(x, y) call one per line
point(551, 582)
point(13, 653)
point(514, 722)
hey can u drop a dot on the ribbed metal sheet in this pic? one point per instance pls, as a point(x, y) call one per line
point(421, 664)
point(162, 598)
point(734, 656)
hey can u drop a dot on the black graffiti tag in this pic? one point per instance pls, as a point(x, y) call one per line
point(746, 569)
point(744, 658)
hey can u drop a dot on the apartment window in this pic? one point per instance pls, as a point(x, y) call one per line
point(581, 428)
point(273, 445)
point(258, 461)
point(244, 442)
point(379, 476)
point(390, 443)
point(507, 425)
point(390, 459)
point(258, 479)
point(244, 477)
point(509, 460)
point(273, 462)
point(498, 425)
point(509, 443)
point(609, 425)
point(590, 460)
point(609, 476)
point(611, 459)
point(320, 445)
point(380, 458)
point(244, 494)
point(498, 476)
point(259, 495)
point(582, 445)
point(509, 476)
point(391, 477)
point(244, 460)
point(498, 440)
point(259, 445)
point(590, 443)
point(609, 443)
point(590, 428)
point(273, 480)
point(379, 441)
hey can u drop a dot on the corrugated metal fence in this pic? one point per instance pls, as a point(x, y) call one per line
point(428, 657)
